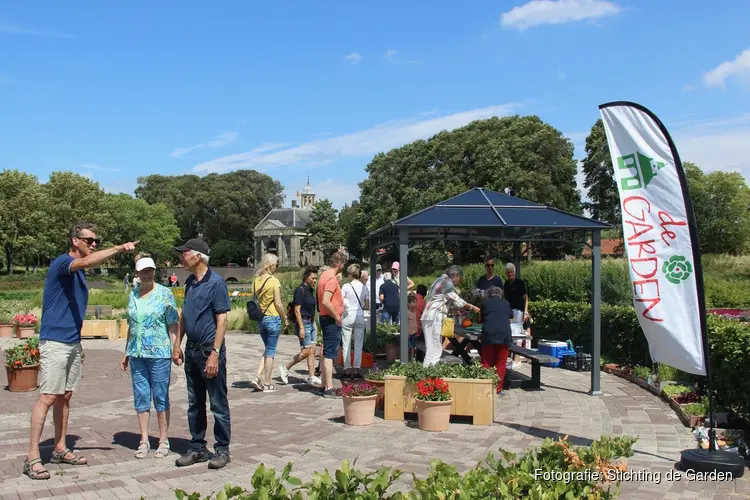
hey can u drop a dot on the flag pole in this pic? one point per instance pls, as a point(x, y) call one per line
point(695, 459)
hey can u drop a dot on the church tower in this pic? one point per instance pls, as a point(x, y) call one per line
point(308, 197)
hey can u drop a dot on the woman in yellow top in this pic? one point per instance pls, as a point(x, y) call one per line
point(267, 289)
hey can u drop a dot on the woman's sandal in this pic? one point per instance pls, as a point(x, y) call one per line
point(269, 388)
point(163, 449)
point(58, 457)
point(258, 384)
point(142, 450)
point(28, 469)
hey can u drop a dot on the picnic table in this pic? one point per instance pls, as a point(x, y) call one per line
point(468, 338)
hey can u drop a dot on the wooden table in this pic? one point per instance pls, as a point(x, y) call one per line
point(464, 339)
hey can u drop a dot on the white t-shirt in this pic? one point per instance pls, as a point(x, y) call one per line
point(351, 303)
point(378, 283)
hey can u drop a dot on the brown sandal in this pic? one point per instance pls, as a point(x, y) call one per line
point(58, 457)
point(28, 469)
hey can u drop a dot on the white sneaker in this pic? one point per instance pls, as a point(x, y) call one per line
point(284, 374)
point(314, 381)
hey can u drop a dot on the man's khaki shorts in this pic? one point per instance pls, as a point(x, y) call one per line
point(60, 367)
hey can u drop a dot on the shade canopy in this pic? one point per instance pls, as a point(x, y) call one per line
point(483, 215)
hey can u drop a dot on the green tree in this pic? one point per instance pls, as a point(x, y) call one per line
point(599, 179)
point(178, 193)
point(70, 198)
point(224, 252)
point(21, 217)
point(353, 228)
point(721, 201)
point(131, 219)
point(323, 232)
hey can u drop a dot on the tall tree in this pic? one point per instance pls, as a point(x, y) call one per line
point(178, 193)
point(21, 219)
point(599, 179)
point(353, 228)
point(323, 232)
point(131, 219)
point(721, 201)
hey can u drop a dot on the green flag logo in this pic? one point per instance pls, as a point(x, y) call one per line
point(641, 169)
point(677, 269)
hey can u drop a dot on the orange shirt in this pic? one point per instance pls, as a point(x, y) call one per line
point(329, 283)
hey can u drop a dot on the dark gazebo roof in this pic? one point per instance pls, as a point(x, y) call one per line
point(482, 215)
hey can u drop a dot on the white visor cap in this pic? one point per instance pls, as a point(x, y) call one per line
point(145, 263)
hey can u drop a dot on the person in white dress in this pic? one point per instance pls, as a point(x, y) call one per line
point(356, 300)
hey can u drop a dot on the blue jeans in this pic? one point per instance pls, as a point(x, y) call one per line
point(270, 329)
point(150, 380)
point(197, 386)
point(331, 337)
point(310, 333)
point(390, 317)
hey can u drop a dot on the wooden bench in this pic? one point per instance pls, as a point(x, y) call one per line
point(535, 381)
point(99, 311)
point(445, 358)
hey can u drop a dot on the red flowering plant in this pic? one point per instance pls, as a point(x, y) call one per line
point(357, 390)
point(433, 389)
point(23, 355)
point(24, 320)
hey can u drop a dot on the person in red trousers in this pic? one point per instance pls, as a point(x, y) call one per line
point(496, 334)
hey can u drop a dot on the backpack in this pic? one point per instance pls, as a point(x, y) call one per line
point(253, 306)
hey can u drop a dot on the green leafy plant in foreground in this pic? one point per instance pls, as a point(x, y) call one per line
point(535, 475)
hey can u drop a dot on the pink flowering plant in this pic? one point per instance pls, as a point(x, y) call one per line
point(24, 320)
point(357, 390)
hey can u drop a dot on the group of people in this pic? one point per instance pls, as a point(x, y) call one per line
point(154, 342)
point(156, 332)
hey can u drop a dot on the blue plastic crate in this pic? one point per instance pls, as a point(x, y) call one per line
point(556, 352)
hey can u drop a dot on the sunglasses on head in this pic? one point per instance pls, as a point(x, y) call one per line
point(89, 241)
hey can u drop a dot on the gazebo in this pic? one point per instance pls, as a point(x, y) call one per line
point(481, 215)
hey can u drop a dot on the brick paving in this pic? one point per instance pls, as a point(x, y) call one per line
point(299, 426)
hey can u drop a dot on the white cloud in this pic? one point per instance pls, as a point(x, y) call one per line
point(739, 67)
point(717, 145)
point(561, 75)
point(219, 141)
point(383, 137)
point(337, 192)
point(353, 58)
point(539, 12)
point(14, 29)
point(97, 167)
point(390, 54)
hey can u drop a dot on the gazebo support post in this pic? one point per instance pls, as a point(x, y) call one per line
point(403, 280)
point(517, 257)
point(596, 301)
point(373, 305)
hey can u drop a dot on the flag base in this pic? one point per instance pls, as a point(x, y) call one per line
point(705, 461)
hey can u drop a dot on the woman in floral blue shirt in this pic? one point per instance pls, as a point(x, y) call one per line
point(152, 329)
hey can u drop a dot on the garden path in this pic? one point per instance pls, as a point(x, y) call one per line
point(279, 427)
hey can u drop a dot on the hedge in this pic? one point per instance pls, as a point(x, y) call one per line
point(623, 342)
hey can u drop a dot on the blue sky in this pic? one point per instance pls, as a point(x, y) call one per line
point(291, 88)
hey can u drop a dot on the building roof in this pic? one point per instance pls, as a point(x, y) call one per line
point(482, 215)
point(286, 218)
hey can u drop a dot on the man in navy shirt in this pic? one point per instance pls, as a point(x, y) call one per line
point(204, 322)
point(64, 304)
point(489, 279)
point(389, 297)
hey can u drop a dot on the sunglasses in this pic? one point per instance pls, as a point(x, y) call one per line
point(489, 265)
point(90, 241)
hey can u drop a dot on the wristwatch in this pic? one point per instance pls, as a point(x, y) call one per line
point(216, 350)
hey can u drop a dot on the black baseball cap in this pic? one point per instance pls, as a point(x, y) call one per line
point(197, 244)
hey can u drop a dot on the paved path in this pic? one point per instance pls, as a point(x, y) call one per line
point(277, 428)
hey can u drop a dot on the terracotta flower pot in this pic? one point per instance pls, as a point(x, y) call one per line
point(25, 332)
point(392, 352)
point(23, 379)
point(6, 330)
point(434, 416)
point(360, 410)
point(380, 384)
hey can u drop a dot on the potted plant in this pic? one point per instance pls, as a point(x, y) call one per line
point(22, 366)
point(359, 403)
point(695, 413)
point(434, 402)
point(392, 347)
point(376, 378)
point(6, 327)
point(25, 325)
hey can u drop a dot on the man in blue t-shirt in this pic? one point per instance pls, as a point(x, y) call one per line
point(389, 297)
point(64, 304)
point(489, 279)
point(204, 322)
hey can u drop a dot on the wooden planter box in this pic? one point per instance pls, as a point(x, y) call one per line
point(471, 398)
point(122, 328)
point(93, 328)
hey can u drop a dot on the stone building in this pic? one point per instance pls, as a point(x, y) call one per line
point(281, 232)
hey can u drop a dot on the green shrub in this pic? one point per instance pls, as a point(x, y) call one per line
point(415, 371)
point(642, 372)
point(695, 409)
point(536, 474)
point(729, 345)
point(672, 390)
point(727, 293)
